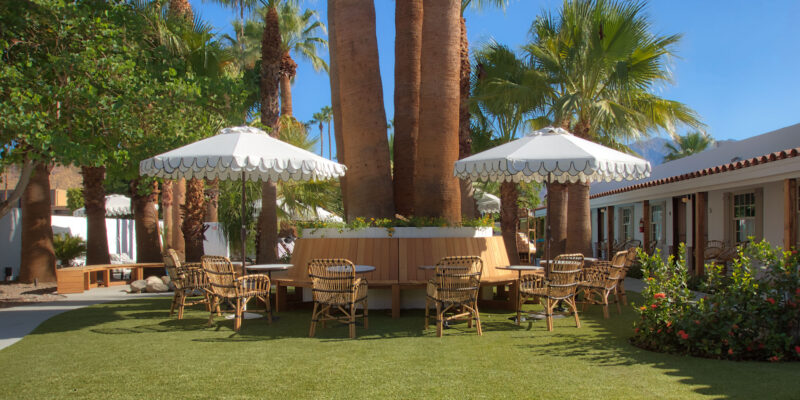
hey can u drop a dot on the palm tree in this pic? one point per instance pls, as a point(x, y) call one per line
point(408, 49)
point(324, 115)
point(603, 62)
point(436, 191)
point(94, 195)
point(38, 260)
point(684, 146)
point(327, 115)
point(359, 116)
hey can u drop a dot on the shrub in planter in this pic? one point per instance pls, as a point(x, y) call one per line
point(68, 248)
point(754, 314)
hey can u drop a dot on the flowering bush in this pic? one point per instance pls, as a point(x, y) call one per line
point(753, 314)
point(391, 223)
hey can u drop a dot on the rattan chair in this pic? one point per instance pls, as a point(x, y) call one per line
point(601, 279)
point(334, 287)
point(455, 289)
point(238, 290)
point(187, 278)
point(560, 284)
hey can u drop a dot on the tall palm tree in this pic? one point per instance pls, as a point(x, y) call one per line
point(686, 145)
point(408, 49)
point(38, 257)
point(436, 191)
point(319, 118)
point(94, 195)
point(359, 116)
point(327, 116)
point(603, 62)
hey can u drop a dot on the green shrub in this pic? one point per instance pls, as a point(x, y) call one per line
point(754, 314)
point(68, 248)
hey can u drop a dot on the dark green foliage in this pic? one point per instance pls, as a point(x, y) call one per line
point(68, 248)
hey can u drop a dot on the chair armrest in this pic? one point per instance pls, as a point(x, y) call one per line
point(254, 282)
point(528, 282)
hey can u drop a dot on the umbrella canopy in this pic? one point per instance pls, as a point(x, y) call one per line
point(487, 202)
point(242, 148)
point(241, 153)
point(551, 155)
point(116, 205)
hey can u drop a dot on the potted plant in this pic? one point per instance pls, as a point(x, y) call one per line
point(68, 248)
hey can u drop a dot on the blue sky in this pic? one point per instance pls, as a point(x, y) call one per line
point(737, 64)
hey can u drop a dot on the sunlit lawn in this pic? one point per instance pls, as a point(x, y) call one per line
point(133, 350)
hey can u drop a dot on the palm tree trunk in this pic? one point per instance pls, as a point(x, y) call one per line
point(436, 190)
point(469, 207)
point(509, 219)
point(408, 49)
point(579, 230)
point(330, 144)
point(212, 201)
point(193, 216)
point(145, 215)
point(181, 8)
point(166, 211)
point(288, 71)
point(557, 210)
point(178, 200)
point(94, 197)
point(271, 57)
point(38, 259)
point(321, 142)
point(336, 106)
point(364, 145)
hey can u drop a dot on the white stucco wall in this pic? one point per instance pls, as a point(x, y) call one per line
point(773, 213)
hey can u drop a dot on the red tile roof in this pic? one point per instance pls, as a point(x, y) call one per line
point(766, 158)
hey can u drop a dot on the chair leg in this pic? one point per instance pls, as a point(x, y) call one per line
point(207, 301)
point(605, 304)
point(269, 308)
point(174, 302)
point(211, 313)
point(439, 319)
point(313, 320)
point(237, 320)
point(427, 311)
point(619, 308)
point(520, 302)
point(366, 314)
point(478, 319)
point(181, 304)
point(352, 322)
point(575, 312)
point(549, 314)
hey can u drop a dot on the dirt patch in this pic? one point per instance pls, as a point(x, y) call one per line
point(15, 294)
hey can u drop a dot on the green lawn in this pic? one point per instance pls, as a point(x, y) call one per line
point(133, 350)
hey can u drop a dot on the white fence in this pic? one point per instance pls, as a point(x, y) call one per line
point(121, 237)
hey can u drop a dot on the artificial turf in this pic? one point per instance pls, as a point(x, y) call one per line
point(133, 349)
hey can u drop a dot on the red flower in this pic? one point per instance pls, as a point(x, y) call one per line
point(797, 291)
point(730, 333)
point(770, 300)
point(637, 331)
point(735, 326)
point(730, 351)
point(659, 330)
point(653, 305)
point(774, 359)
point(761, 345)
point(797, 349)
point(683, 334)
point(697, 322)
point(659, 296)
point(669, 323)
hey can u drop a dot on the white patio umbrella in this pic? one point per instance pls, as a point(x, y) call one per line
point(487, 202)
point(241, 153)
point(116, 205)
point(551, 155)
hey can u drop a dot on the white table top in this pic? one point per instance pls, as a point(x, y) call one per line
point(590, 259)
point(270, 267)
point(522, 268)
point(360, 269)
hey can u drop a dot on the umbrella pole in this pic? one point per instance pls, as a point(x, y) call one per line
point(244, 227)
point(547, 233)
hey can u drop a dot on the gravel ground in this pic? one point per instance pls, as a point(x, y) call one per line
point(15, 294)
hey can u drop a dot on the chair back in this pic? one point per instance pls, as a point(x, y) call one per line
point(563, 275)
point(620, 259)
point(458, 279)
point(172, 264)
point(631, 257)
point(333, 280)
point(221, 275)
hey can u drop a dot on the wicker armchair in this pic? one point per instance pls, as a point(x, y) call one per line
point(187, 279)
point(226, 285)
point(336, 288)
point(560, 284)
point(625, 259)
point(601, 279)
point(455, 287)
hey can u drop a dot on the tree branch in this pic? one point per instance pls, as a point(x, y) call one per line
point(24, 178)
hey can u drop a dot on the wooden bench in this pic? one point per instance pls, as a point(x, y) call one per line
point(78, 279)
point(397, 261)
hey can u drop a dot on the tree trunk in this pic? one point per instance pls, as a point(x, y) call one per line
point(22, 183)
point(365, 147)
point(557, 210)
point(178, 200)
point(335, 103)
point(167, 200)
point(436, 190)
point(408, 49)
point(579, 230)
point(271, 57)
point(145, 215)
point(321, 142)
point(38, 259)
point(94, 198)
point(330, 144)
point(194, 213)
point(509, 219)
point(212, 201)
point(181, 8)
point(469, 207)
point(288, 71)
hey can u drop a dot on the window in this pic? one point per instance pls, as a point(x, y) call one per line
point(627, 223)
point(744, 216)
point(657, 223)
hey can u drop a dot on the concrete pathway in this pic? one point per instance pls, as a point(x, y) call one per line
point(16, 322)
